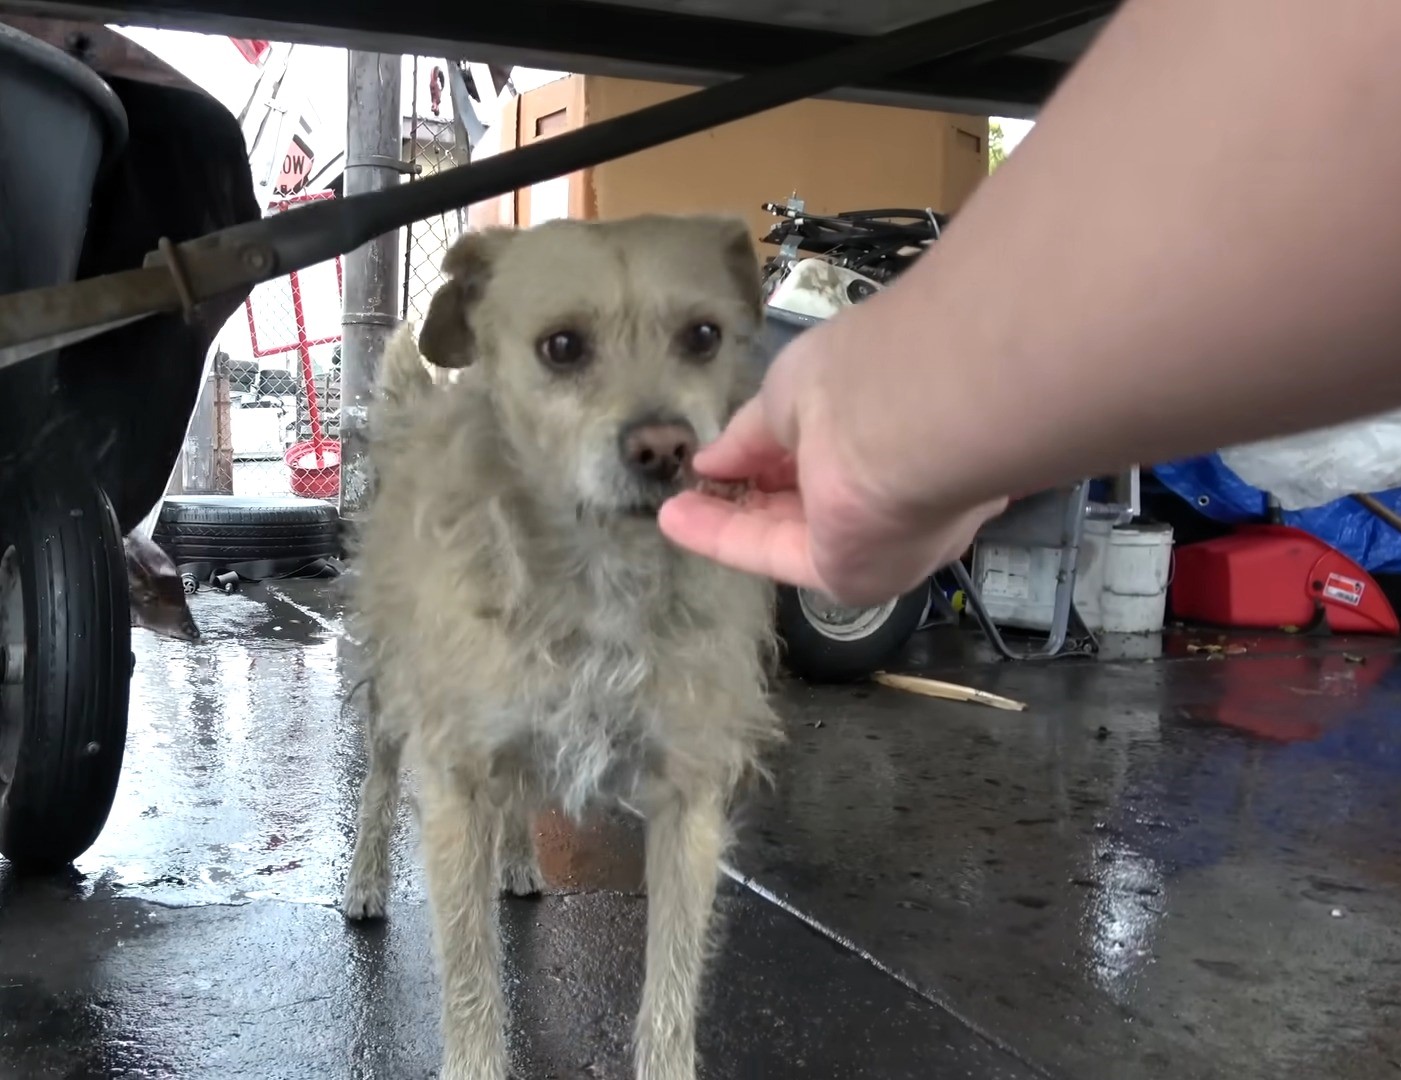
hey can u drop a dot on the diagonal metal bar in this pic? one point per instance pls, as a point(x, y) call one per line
point(258, 251)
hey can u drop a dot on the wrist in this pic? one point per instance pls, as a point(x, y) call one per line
point(883, 376)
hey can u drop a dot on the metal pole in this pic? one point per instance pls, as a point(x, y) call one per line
point(308, 377)
point(413, 158)
point(374, 148)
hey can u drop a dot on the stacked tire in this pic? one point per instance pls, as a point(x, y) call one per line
point(223, 531)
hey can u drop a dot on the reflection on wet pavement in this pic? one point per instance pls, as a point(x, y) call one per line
point(1147, 874)
point(240, 780)
point(1182, 866)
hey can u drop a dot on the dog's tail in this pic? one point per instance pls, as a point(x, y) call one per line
point(403, 375)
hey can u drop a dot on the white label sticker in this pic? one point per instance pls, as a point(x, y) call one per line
point(1344, 590)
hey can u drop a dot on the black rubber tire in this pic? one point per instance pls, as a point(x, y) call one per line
point(69, 709)
point(812, 655)
point(223, 529)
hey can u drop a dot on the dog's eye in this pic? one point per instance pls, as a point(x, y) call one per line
point(700, 340)
point(563, 349)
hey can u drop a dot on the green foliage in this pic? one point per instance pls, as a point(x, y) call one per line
point(997, 154)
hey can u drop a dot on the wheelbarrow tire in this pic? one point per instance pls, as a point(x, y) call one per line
point(63, 715)
point(837, 653)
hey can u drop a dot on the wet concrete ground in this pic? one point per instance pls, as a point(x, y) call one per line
point(1182, 866)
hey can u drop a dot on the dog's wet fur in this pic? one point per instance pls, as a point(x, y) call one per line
point(533, 638)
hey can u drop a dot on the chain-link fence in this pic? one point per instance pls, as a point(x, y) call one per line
point(275, 387)
point(432, 142)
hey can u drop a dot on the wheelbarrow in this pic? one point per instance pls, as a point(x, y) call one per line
point(88, 435)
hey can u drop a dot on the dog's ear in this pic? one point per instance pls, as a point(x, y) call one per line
point(741, 261)
point(446, 339)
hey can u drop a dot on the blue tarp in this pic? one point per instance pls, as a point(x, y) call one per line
point(1219, 494)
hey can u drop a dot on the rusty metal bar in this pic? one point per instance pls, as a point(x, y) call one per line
point(257, 251)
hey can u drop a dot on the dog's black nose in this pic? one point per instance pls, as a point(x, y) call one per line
point(656, 449)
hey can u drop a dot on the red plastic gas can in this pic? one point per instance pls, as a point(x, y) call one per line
point(1265, 577)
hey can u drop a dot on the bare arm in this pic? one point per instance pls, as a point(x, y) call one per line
point(1198, 245)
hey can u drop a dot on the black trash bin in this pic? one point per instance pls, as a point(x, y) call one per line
point(65, 623)
point(58, 123)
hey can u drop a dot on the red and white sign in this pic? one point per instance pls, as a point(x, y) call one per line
point(296, 168)
point(1344, 590)
point(251, 49)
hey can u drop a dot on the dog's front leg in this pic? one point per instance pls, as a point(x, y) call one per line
point(367, 884)
point(519, 867)
point(460, 832)
point(685, 839)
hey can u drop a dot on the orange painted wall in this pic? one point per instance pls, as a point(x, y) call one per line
point(835, 155)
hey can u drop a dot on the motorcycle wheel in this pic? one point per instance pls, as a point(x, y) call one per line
point(826, 642)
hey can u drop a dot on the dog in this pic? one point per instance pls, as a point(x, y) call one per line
point(532, 637)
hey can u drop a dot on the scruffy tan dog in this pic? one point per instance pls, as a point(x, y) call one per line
point(534, 638)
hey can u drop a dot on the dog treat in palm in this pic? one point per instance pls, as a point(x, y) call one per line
point(729, 490)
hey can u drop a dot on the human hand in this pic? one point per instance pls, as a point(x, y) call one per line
point(819, 514)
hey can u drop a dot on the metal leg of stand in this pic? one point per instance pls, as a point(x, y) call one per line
point(980, 613)
point(1081, 637)
point(1039, 522)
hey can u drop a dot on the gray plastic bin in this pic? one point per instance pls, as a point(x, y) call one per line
point(58, 122)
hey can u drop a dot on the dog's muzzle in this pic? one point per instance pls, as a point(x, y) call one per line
point(652, 464)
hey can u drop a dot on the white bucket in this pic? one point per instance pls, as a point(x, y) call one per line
point(1089, 573)
point(1136, 573)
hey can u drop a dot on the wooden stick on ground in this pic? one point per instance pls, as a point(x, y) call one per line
point(1380, 508)
point(914, 684)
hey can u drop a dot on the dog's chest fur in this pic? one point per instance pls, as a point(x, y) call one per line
point(630, 652)
point(575, 659)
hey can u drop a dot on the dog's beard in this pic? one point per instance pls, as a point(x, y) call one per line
point(636, 505)
point(648, 499)
point(602, 490)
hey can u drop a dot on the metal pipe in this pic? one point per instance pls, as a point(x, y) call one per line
point(413, 159)
point(374, 144)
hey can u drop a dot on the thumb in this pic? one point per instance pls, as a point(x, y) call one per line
point(744, 448)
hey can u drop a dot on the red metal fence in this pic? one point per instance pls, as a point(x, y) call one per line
point(280, 330)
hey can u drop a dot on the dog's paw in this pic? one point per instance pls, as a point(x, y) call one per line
point(522, 879)
point(364, 901)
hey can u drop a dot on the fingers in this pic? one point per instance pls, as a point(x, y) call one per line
point(766, 536)
point(778, 475)
point(744, 449)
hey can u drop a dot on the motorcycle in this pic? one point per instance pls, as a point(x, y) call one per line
point(826, 263)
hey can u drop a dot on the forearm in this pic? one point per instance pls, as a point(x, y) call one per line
point(1198, 245)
